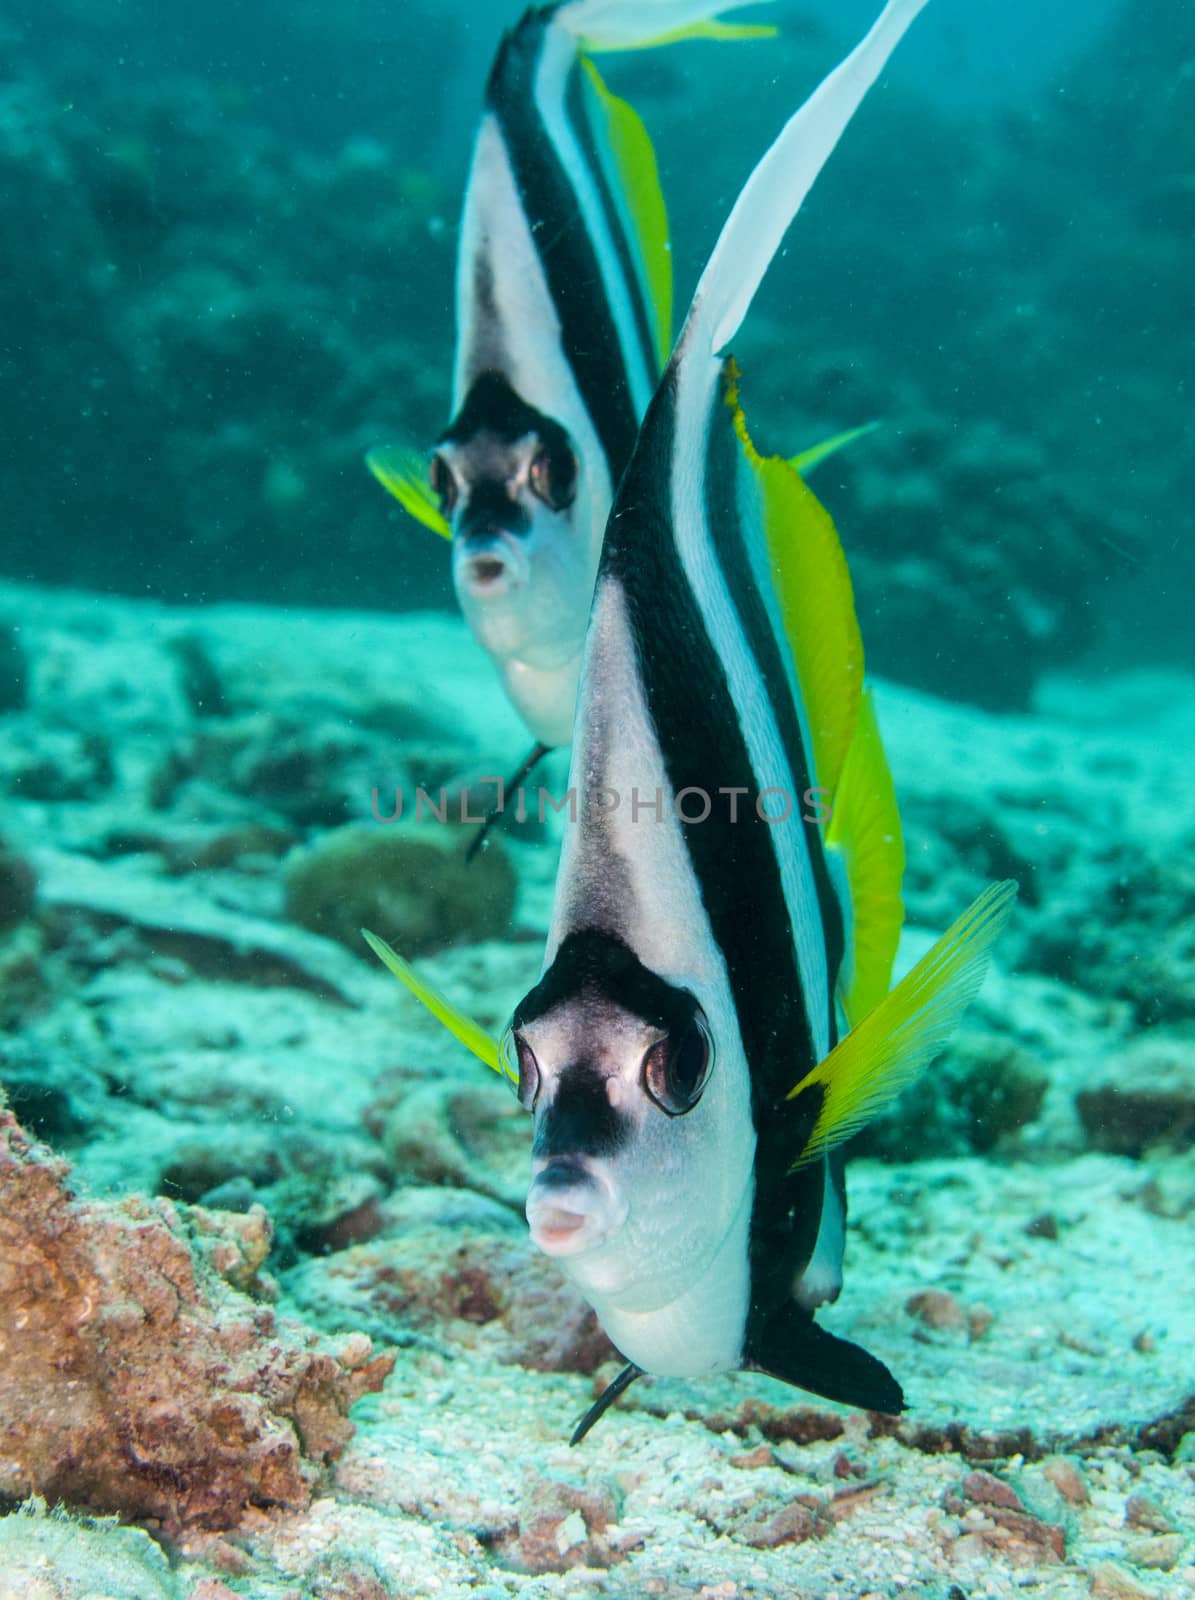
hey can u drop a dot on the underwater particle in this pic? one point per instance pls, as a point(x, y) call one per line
point(136, 1378)
point(416, 890)
point(18, 887)
point(51, 1555)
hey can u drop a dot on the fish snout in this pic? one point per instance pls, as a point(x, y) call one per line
point(571, 1207)
point(489, 561)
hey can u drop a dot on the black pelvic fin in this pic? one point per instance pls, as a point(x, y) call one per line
point(605, 1400)
point(790, 1346)
point(528, 765)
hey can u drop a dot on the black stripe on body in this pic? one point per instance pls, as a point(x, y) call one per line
point(590, 959)
point(702, 745)
point(589, 335)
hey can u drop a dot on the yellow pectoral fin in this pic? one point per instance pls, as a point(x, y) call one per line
point(404, 473)
point(471, 1034)
point(816, 454)
point(865, 1072)
point(711, 29)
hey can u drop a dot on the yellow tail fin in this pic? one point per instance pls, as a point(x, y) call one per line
point(865, 1072)
point(471, 1034)
point(404, 473)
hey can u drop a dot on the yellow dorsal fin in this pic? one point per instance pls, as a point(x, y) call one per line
point(865, 830)
point(638, 186)
point(865, 1072)
point(471, 1034)
point(404, 472)
point(817, 604)
point(816, 454)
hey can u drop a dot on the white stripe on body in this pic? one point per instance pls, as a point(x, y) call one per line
point(698, 381)
point(681, 1307)
point(555, 63)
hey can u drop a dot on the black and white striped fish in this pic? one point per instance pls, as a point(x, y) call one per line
point(564, 321)
point(714, 1017)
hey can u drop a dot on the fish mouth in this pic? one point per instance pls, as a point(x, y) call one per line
point(571, 1207)
point(490, 564)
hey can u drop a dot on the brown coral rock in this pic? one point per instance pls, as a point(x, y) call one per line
point(136, 1378)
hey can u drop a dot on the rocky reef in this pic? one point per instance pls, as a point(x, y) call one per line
point(281, 1170)
point(138, 1375)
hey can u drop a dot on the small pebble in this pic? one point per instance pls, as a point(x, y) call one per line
point(936, 1308)
point(1111, 1581)
point(1159, 1551)
point(1141, 1512)
point(1067, 1479)
point(984, 1488)
point(1043, 1227)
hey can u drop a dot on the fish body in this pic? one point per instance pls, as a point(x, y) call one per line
point(690, 1053)
point(714, 1016)
point(563, 310)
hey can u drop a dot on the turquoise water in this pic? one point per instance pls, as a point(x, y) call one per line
point(228, 240)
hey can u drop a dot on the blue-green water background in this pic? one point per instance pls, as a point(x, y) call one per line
point(229, 236)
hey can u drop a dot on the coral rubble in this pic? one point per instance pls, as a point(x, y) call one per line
point(136, 1377)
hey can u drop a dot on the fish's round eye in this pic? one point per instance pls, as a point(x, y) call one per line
point(443, 483)
point(553, 475)
point(521, 1069)
point(677, 1068)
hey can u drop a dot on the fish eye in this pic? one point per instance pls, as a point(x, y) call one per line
point(553, 475)
point(677, 1068)
point(443, 483)
point(520, 1068)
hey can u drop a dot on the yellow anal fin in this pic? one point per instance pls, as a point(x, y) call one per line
point(865, 830)
point(471, 1034)
point(865, 1072)
point(404, 473)
point(634, 160)
point(816, 454)
point(815, 599)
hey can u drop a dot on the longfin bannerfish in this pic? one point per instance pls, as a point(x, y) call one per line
point(715, 1015)
point(564, 322)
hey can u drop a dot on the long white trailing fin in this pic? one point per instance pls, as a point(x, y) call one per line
point(634, 24)
point(776, 190)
